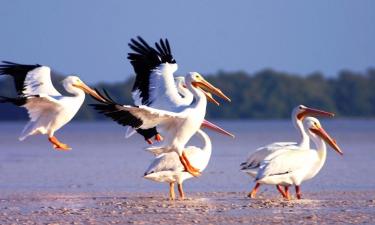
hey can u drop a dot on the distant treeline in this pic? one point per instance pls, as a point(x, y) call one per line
point(266, 94)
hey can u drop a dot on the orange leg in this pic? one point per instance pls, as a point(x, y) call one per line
point(181, 191)
point(298, 192)
point(172, 196)
point(280, 189)
point(185, 162)
point(149, 141)
point(58, 145)
point(253, 192)
point(287, 194)
point(158, 138)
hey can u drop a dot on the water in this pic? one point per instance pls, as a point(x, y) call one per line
point(103, 160)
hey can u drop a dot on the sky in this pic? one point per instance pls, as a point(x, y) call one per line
point(89, 37)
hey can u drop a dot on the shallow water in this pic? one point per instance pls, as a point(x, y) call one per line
point(103, 160)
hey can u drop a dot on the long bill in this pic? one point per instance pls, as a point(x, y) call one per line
point(89, 91)
point(313, 112)
point(202, 83)
point(325, 136)
point(207, 124)
point(210, 98)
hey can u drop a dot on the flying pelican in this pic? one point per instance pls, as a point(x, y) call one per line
point(291, 166)
point(154, 84)
point(178, 127)
point(252, 163)
point(47, 108)
point(166, 167)
point(187, 97)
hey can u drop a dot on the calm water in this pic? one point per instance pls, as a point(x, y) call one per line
point(103, 160)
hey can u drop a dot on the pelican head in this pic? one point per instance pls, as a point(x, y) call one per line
point(300, 112)
point(199, 82)
point(316, 131)
point(71, 83)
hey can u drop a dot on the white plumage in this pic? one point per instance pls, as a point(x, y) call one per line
point(291, 166)
point(167, 167)
point(177, 127)
point(252, 163)
point(47, 108)
point(155, 85)
point(38, 81)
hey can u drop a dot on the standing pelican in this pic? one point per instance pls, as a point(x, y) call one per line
point(178, 127)
point(166, 167)
point(154, 84)
point(252, 163)
point(291, 166)
point(47, 108)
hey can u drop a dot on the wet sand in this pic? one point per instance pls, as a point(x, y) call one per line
point(353, 207)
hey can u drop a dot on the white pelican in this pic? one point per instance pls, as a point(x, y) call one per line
point(252, 163)
point(154, 84)
point(47, 108)
point(183, 91)
point(167, 167)
point(291, 166)
point(187, 97)
point(178, 127)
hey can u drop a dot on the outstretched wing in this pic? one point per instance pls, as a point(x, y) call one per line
point(134, 116)
point(146, 60)
point(42, 110)
point(30, 79)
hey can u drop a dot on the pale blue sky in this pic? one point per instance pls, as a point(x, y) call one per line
point(89, 38)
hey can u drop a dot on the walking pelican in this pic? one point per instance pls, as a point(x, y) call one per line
point(292, 166)
point(47, 108)
point(252, 163)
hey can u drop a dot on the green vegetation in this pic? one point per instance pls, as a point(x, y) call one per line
point(266, 94)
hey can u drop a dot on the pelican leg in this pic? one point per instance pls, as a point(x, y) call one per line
point(287, 194)
point(158, 138)
point(57, 144)
point(172, 195)
point(298, 192)
point(181, 191)
point(253, 192)
point(185, 162)
point(280, 189)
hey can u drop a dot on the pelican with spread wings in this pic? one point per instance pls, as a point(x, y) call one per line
point(47, 108)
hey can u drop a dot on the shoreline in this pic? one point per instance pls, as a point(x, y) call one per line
point(324, 207)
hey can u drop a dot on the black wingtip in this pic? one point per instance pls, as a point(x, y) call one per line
point(19, 101)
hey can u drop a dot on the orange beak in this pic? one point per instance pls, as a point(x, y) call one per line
point(313, 112)
point(210, 98)
point(206, 86)
point(89, 91)
point(325, 136)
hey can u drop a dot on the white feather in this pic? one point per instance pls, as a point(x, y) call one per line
point(167, 167)
point(129, 132)
point(38, 81)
